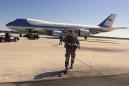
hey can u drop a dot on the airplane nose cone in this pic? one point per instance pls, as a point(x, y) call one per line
point(8, 24)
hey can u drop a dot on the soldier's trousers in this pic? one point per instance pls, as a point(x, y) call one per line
point(69, 52)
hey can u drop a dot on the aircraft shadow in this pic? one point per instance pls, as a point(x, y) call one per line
point(49, 37)
point(103, 41)
point(97, 49)
point(50, 74)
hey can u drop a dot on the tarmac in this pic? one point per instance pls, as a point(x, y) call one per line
point(99, 62)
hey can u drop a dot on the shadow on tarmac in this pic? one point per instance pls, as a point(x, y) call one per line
point(50, 74)
point(101, 41)
point(49, 37)
point(98, 49)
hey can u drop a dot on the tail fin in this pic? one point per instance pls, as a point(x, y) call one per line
point(108, 22)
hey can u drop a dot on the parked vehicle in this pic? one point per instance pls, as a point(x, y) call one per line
point(11, 39)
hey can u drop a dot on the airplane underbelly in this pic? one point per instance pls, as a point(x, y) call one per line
point(18, 28)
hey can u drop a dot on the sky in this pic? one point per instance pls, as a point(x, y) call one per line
point(90, 12)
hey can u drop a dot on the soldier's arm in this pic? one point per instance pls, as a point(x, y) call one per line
point(65, 39)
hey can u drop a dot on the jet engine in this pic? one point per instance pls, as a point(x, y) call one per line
point(56, 33)
point(84, 33)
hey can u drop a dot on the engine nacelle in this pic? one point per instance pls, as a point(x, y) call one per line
point(84, 33)
point(56, 33)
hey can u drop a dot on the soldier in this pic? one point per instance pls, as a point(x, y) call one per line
point(61, 39)
point(71, 44)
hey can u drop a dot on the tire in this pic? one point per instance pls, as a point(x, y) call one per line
point(85, 38)
point(2, 40)
point(15, 40)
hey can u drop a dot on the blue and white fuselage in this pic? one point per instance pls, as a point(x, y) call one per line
point(25, 24)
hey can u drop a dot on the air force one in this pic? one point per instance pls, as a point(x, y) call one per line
point(58, 28)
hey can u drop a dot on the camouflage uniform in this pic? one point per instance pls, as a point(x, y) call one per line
point(71, 44)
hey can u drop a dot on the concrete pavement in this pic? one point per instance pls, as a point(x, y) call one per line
point(29, 60)
point(110, 80)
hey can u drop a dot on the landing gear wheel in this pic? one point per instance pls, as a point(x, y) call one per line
point(85, 38)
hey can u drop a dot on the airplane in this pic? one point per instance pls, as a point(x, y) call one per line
point(58, 28)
